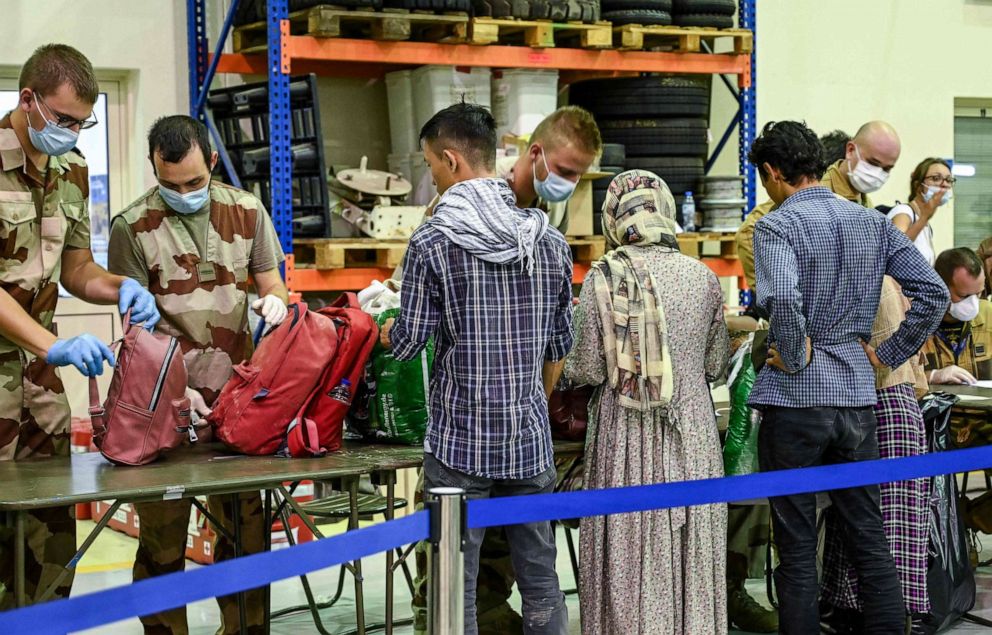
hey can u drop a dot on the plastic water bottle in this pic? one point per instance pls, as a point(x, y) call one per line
point(689, 213)
point(342, 392)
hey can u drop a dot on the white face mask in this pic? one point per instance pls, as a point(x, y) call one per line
point(555, 188)
point(865, 177)
point(932, 191)
point(966, 310)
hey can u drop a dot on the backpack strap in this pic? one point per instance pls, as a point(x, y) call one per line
point(348, 300)
point(96, 412)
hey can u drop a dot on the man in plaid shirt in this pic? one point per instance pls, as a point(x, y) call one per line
point(493, 284)
point(819, 261)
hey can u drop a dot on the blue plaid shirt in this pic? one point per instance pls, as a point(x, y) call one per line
point(819, 262)
point(495, 327)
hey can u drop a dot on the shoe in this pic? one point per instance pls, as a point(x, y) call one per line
point(839, 621)
point(746, 614)
point(501, 620)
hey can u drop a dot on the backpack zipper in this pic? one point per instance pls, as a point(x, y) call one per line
point(157, 393)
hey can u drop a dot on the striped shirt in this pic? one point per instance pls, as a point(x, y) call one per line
point(495, 325)
point(819, 262)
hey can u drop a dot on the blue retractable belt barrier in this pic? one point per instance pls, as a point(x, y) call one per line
point(178, 589)
point(543, 507)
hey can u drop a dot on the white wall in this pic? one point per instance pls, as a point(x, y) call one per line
point(140, 42)
point(840, 63)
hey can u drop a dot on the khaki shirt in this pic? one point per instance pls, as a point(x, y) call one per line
point(40, 216)
point(892, 307)
point(200, 285)
point(975, 355)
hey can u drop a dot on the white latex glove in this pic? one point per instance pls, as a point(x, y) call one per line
point(196, 402)
point(272, 309)
point(952, 375)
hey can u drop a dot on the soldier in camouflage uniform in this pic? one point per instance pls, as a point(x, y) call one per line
point(44, 240)
point(194, 242)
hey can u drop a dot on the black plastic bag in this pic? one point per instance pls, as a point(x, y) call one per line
point(950, 578)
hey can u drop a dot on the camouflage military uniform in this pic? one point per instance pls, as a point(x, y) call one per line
point(197, 268)
point(41, 214)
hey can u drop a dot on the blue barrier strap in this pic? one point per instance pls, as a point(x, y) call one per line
point(493, 512)
point(178, 589)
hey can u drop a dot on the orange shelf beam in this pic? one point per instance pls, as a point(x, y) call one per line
point(335, 56)
point(357, 278)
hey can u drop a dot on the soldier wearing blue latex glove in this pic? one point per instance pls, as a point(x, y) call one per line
point(140, 301)
point(85, 352)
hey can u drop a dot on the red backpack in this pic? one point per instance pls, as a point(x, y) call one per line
point(291, 397)
point(323, 416)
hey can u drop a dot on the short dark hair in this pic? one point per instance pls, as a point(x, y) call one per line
point(52, 65)
point(174, 136)
point(834, 146)
point(953, 259)
point(468, 128)
point(792, 148)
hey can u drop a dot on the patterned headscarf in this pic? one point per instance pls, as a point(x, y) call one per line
point(639, 211)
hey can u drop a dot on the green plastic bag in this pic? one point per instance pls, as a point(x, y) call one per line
point(740, 451)
point(398, 412)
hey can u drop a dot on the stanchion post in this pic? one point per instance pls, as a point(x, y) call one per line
point(446, 608)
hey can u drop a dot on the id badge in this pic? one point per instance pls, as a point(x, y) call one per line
point(205, 272)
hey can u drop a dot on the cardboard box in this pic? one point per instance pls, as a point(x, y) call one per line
point(580, 208)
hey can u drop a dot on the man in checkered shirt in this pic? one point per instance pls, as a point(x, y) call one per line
point(493, 284)
point(819, 263)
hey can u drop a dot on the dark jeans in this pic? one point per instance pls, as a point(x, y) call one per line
point(804, 437)
point(532, 549)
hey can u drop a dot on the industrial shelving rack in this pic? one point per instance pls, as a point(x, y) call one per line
point(343, 57)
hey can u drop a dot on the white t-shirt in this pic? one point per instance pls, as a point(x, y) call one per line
point(924, 241)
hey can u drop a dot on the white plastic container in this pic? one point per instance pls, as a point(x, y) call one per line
point(522, 98)
point(437, 87)
point(403, 129)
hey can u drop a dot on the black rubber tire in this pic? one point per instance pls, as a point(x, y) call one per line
point(557, 10)
point(643, 97)
point(680, 173)
point(643, 17)
point(658, 137)
point(613, 154)
point(711, 20)
point(621, 5)
point(251, 11)
point(598, 196)
point(299, 5)
point(719, 7)
point(597, 223)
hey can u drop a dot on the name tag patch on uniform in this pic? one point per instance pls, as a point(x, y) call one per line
point(51, 227)
point(979, 350)
point(205, 271)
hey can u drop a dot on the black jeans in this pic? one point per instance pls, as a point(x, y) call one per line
point(804, 437)
point(532, 549)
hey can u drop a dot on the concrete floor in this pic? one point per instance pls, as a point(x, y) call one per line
point(109, 563)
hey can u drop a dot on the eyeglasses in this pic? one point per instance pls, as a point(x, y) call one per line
point(936, 179)
point(65, 121)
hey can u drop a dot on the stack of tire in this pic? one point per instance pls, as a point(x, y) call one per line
point(662, 122)
point(721, 199)
point(643, 12)
point(613, 161)
point(717, 14)
point(556, 10)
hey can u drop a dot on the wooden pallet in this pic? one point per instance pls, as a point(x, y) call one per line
point(587, 248)
point(334, 253)
point(691, 244)
point(388, 24)
point(679, 39)
point(540, 33)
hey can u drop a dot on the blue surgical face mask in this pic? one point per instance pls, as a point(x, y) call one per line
point(933, 191)
point(554, 189)
point(188, 203)
point(52, 140)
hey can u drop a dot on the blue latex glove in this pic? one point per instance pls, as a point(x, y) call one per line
point(142, 304)
point(85, 352)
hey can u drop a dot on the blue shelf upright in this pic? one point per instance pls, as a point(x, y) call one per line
point(748, 106)
point(280, 130)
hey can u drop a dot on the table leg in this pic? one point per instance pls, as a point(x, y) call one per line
point(390, 477)
point(357, 564)
point(238, 552)
point(20, 594)
point(107, 516)
point(267, 511)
